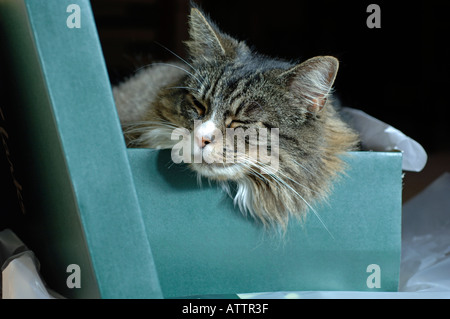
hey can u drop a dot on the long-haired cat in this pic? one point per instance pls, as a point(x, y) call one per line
point(224, 86)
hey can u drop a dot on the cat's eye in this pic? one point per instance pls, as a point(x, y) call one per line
point(198, 106)
point(253, 107)
point(234, 124)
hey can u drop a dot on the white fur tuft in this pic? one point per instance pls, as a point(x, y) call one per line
point(243, 198)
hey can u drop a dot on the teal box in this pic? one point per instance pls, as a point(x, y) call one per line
point(138, 226)
point(203, 245)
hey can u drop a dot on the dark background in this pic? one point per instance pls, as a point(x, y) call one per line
point(398, 73)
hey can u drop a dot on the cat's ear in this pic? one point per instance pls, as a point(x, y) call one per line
point(206, 40)
point(313, 80)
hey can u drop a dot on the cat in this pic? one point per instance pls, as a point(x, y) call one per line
point(225, 85)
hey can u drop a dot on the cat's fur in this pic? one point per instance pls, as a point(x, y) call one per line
point(225, 83)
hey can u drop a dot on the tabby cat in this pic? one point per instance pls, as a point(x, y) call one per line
point(223, 86)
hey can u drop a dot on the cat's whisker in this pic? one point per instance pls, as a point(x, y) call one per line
point(174, 66)
point(244, 159)
point(255, 173)
point(159, 125)
point(199, 179)
point(302, 166)
point(137, 134)
point(186, 88)
point(307, 204)
point(143, 126)
point(180, 58)
point(267, 167)
point(137, 130)
point(299, 184)
point(281, 182)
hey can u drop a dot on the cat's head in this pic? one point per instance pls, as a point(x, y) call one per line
point(227, 87)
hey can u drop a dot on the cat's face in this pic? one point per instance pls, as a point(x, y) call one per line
point(269, 105)
point(228, 107)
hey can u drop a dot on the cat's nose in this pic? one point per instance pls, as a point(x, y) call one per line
point(206, 141)
point(205, 133)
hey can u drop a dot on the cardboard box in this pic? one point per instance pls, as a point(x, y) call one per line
point(140, 230)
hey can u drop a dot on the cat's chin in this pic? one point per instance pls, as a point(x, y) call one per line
point(219, 172)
